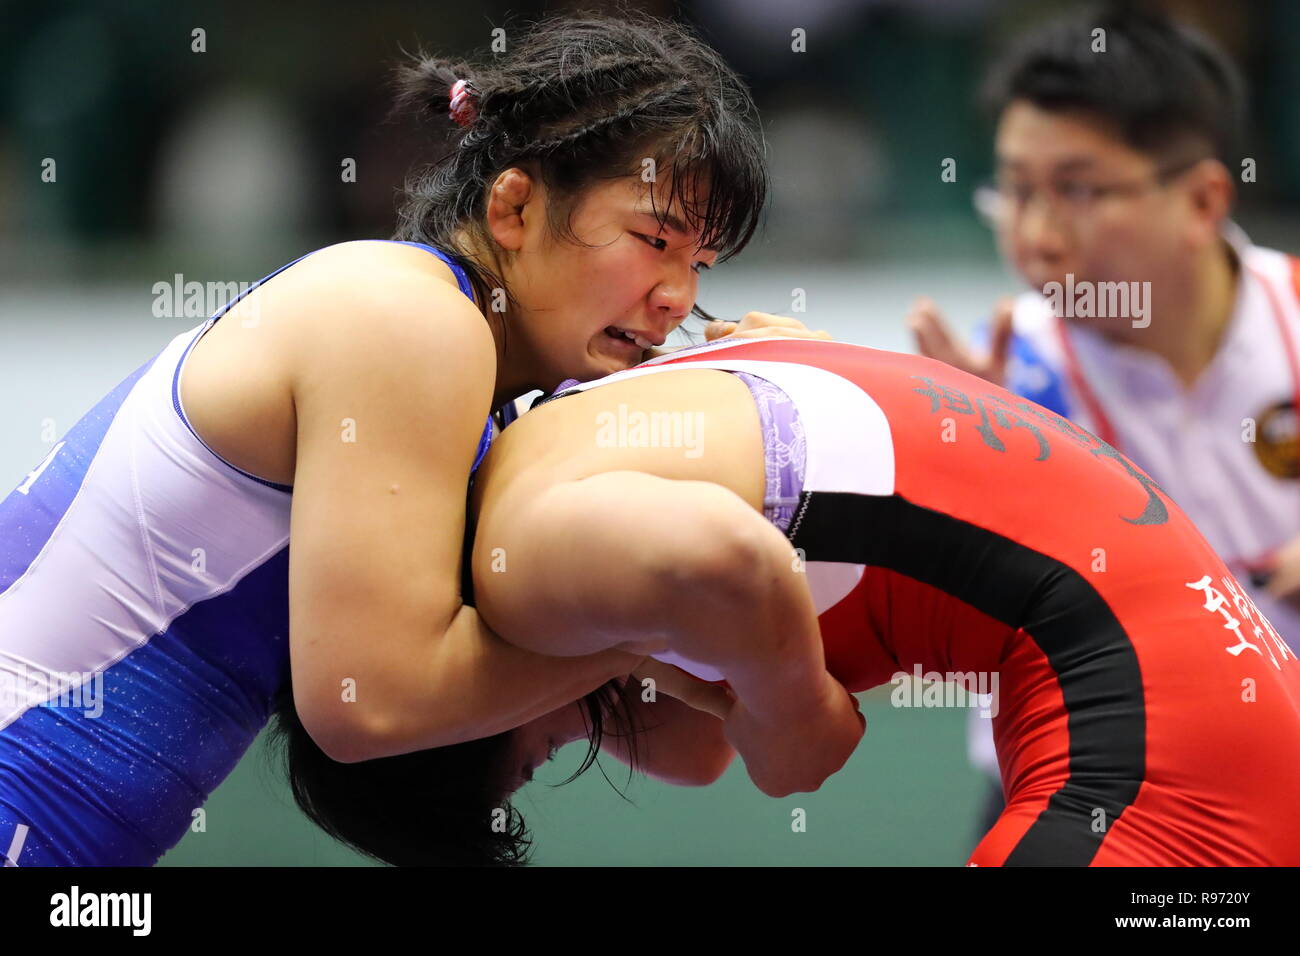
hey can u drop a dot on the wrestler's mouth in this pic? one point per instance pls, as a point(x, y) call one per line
point(627, 335)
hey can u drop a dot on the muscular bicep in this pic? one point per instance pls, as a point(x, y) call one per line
point(391, 394)
point(573, 567)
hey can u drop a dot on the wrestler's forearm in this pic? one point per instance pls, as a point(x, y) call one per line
point(678, 745)
point(754, 620)
point(473, 684)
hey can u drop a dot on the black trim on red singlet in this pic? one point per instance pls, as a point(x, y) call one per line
point(1084, 643)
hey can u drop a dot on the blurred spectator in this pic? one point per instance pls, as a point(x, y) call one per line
point(1116, 171)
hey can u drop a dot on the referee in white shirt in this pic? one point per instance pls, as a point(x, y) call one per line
point(1152, 321)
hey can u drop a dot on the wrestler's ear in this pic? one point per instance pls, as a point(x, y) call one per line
point(514, 200)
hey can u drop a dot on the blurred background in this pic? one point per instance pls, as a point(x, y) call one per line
point(224, 165)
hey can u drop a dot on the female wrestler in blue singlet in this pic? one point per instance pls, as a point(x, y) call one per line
point(150, 614)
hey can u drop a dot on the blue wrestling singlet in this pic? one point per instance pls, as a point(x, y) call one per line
point(144, 624)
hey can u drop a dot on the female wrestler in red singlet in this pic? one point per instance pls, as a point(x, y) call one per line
point(724, 507)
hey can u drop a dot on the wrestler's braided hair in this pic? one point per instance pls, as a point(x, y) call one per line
point(576, 99)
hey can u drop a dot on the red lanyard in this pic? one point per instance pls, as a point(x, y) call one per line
point(1106, 430)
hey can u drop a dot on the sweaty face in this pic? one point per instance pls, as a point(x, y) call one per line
point(592, 310)
point(1053, 161)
